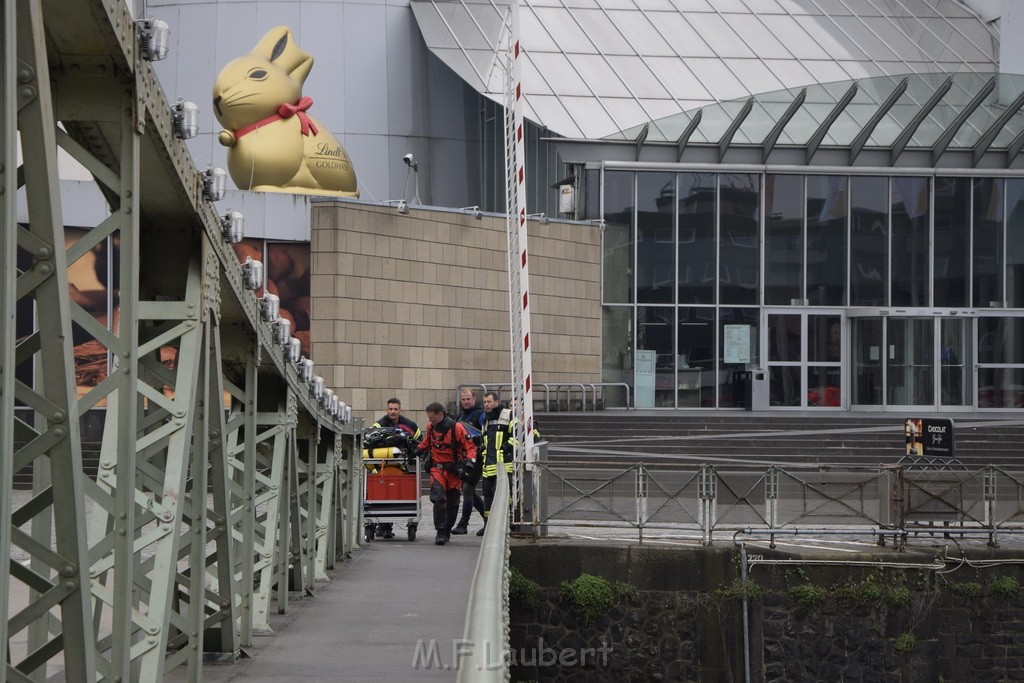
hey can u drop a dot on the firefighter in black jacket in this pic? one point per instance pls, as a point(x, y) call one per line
point(394, 418)
point(499, 442)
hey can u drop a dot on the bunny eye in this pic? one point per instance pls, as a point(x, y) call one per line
point(258, 74)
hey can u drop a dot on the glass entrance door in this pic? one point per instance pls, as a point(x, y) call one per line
point(805, 352)
point(902, 362)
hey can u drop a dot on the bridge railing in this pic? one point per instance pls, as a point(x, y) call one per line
point(486, 634)
point(706, 501)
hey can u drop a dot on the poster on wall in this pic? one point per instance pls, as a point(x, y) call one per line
point(287, 269)
point(88, 287)
point(736, 342)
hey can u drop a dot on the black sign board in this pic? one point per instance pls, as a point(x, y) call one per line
point(929, 436)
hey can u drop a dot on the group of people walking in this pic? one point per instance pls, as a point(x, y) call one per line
point(461, 452)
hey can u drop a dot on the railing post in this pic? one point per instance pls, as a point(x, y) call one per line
point(897, 499)
point(771, 500)
point(707, 488)
point(641, 500)
point(990, 505)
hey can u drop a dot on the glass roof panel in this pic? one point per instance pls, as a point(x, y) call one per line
point(816, 6)
point(692, 5)
point(726, 42)
point(598, 76)
point(599, 29)
point(623, 110)
point(583, 109)
point(800, 41)
point(663, 5)
point(752, 31)
point(641, 81)
point(564, 31)
point(760, 121)
point(755, 76)
point(864, 39)
point(551, 113)
point(715, 121)
point(684, 39)
point(641, 33)
point(531, 26)
point(728, 5)
point(833, 42)
point(678, 78)
point(555, 65)
point(823, 70)
point(714, 71)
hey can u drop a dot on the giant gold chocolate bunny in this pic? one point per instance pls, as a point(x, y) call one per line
point(273, 144)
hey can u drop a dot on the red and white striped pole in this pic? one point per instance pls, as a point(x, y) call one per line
point(518, 261)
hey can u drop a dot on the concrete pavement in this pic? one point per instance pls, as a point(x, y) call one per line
point(392, 612)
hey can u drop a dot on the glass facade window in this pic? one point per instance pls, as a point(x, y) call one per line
point(911, 209)
point(987, 246)
point(869, 241)
point(1015, 243)
point(739, 263)
point(618, 237)
point(952, 251)
point(698, 264)
point(828, 220)
point(655, 237)
point(846, 260)
point(784, 239)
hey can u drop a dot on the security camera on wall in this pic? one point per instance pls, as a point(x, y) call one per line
point(410, 161)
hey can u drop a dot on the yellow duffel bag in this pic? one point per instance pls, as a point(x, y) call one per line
point(382, 453)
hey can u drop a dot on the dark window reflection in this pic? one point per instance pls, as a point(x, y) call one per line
point(655, 237)
point(618, 237)
point(827, 220)
point(784, 239)
point(910, 272)
point(739, 270)
point(616, 351)
point(1015, 243)
point(869, 240)
point(988, 242)
point(697, 264)
point(655, 330)
point(695, 351)
point(952, 248)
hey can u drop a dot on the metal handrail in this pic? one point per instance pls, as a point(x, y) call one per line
point(481, 654)
point(558, 387)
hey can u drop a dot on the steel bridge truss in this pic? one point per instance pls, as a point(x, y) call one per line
point(222, 486)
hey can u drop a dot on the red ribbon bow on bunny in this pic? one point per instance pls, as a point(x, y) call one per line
point(286, 111)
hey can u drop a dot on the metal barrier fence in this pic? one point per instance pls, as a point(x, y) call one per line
point(592, 394)
point(885, 501)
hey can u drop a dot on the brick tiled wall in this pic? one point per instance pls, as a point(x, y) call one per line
point(414, 305)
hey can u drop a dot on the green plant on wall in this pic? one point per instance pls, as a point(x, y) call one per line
point(1005, 587)
point(591, 596)
point(807, 595)
point(904, 643)
point(522, 590)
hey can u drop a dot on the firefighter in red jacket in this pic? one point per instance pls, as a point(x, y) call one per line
point(452, 455)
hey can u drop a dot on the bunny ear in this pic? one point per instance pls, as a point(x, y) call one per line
point(279, 46)
point(274, 43)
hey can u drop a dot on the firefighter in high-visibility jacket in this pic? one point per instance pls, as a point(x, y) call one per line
point(498, 448)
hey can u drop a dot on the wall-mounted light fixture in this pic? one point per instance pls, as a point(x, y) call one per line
point(153, 38)
point(403, 207)
point(215, 183)
point(282, 331)
point(306, 370)
point(541, 218)
point(232, 225)
point(270, 308)
point(294, 352)
point(316, 387)
point(473, 211)
point(326, 398)
point(252, 273)
point(186, 119)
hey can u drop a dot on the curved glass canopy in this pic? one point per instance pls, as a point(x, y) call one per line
point(939, 112)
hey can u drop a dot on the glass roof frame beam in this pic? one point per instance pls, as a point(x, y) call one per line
point(989, 136)
point(684, 138)
point(815, 140)
point(641, 137)
point(869, 127)
point(1013, 149)
point(773, 136)
point(723, 144)
point(908, 131)
point(951, 130)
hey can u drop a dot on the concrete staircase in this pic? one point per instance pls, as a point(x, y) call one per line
point(767, 438)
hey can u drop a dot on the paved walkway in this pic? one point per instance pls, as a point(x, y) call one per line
point(390, 613)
